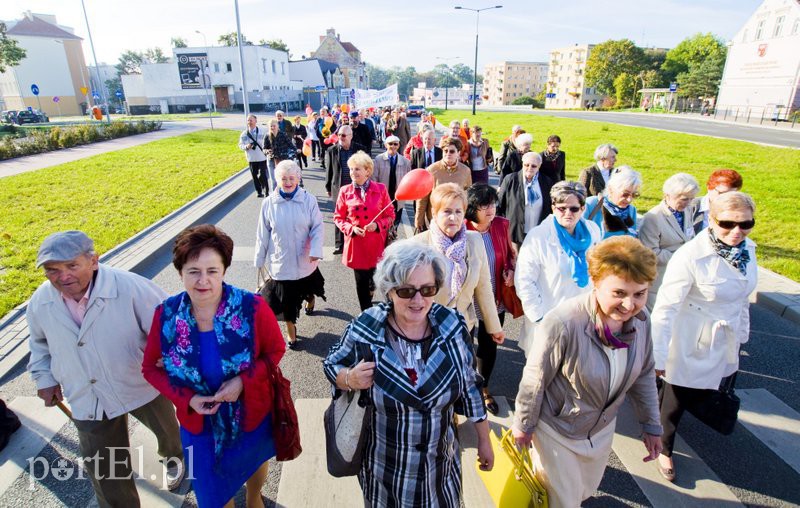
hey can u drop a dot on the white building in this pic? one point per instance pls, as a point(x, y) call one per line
point(503, 82)
point(321, 81)
point(762, 72)
point(54, 63)
point(178, 86)
point(435, 97)
point(566, 80)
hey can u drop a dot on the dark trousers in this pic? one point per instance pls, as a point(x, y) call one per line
point(302, 160)
point(315, 148)
point(107, 439)
point(487, 350)
point(673, 401)
point(259, 172)
point(322, 149)
point(338, 239)
point(364, 287)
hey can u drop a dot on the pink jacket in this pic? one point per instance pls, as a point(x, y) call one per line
point(363, 252)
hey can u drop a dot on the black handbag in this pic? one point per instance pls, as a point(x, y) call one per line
point(719, 409)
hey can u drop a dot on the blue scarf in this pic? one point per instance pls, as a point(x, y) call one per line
point(736, 255)
point(624, 214)
point(575, 246)
point(233, 325)
point(533, 196)
point(289, 195)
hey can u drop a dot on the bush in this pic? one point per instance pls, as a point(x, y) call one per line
point(44, 140)
point(525, 100)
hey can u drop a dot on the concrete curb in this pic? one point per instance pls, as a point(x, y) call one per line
point(129, 255)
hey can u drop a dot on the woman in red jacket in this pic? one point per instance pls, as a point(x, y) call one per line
point(209, 351)
point(481, 216)
point(363, 216)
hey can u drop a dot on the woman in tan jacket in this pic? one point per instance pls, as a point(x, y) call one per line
point(588, 354)
point(468, 280)
point(447, 170)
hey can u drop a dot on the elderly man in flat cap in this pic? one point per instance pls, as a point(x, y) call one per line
point(88, 328)
point(390, 168)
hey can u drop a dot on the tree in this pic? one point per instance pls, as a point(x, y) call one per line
point(10, 52)
point(179, 42)
point(625, 89)
point(130, 62)
point(229, 39)
point(276, 44)
point(611, 58)
point(525, 100)
point(701, 80)
point(154, 55)
point(378, 76)
point(464, 73)
point(406, 79)
point(112, 85)
point(694, 50)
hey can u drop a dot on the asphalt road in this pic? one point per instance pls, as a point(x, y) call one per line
point(748, 467)
point(690, 125)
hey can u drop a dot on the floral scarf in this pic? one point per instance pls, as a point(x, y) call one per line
point(455, 250)
point(737, 256)
point(233, 325)
point(575, 246)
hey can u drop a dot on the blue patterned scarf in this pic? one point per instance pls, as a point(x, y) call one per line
point(737, 255)
point(576, 247)
point(233, 325)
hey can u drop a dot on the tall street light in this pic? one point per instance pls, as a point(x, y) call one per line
point(239, 41)
point(447, 76)
point(477, 21)
point(100, 84)
point(205, 75)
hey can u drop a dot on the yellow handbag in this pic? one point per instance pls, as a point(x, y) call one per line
point(512, 481)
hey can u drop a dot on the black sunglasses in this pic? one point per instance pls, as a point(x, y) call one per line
point(409, 293)
point(731, 224)
point(573, 209)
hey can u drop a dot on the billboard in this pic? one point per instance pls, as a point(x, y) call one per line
point(189, 69)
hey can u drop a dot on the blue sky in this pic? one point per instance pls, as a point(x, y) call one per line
point(409, 32)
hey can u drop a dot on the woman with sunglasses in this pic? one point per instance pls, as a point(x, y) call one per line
point(551, 266)
point(702, 313)
point(613, 210)
point(419, 374)
point(447, 170)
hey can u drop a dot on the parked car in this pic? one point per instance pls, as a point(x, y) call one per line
point(26, 116)
point(415, 110)
point(42, 116)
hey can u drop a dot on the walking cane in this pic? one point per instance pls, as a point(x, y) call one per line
point(64, 409)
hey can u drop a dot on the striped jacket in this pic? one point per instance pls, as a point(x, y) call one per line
point(412, 456)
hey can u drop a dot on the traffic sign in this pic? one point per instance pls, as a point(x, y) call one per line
point(56, 99)
point(118, 93)
point(84, 90)
point(673, 87)
point(436, 93)
point(34, 89)
point(320, 88)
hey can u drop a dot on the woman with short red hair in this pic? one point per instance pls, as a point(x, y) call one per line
point(720, 182)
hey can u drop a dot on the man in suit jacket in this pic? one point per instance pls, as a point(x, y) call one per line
point(525, 198)
point(338, 174)
point(428, 153)
point(389, 168)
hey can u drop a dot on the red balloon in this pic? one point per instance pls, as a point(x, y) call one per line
point(415, 185)
point(307, 142)
point(333, 138)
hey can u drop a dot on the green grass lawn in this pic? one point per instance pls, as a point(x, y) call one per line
point(111, 197)
point(771, 175)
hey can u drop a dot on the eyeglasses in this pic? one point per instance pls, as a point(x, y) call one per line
point(629, 195)
point(573, 209)
point(393, 144)
point(342, 136)
point(409, 293)
point(451, 151)
point(731, 224)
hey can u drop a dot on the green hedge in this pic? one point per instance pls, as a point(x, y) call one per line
point(39, 141)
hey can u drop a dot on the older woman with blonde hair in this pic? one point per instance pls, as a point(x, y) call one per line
point(363, 215)
point(589, 354)
point(513, 160)
point(613, 210)
point(447, 170)
point(702, 314)
point(668, 225)
point(469, 281)
point(595, 177)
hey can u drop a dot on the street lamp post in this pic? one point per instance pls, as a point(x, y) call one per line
point(100, 84)
point(475, 76)
point(447, 76)
point(245, 102)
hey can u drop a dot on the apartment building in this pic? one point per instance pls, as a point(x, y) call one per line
point(505, 81)
point(566, 80)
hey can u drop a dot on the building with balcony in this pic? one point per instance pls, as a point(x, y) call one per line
point(762, 70)
point(503, 82)
point(566, 80)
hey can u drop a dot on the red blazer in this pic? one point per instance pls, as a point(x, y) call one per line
point(257, 393)
point(363, 252)
point(504, 256)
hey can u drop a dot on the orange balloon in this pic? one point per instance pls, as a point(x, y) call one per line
point(345, 108)
point(415, 184)
point(306, 150)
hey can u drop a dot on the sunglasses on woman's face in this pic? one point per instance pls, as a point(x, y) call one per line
point(409, 293)
point(731, 224)
point(451, 151)
point(573, 209)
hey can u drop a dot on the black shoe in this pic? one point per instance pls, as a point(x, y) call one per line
point(337, 251)
point(260, 195)
point(292, 345)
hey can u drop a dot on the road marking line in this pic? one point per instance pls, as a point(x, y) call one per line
point(773, 422)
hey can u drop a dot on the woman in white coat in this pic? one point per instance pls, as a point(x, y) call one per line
point(668, 225)
point(289, 244)
point(702, 313)
point(551, 266)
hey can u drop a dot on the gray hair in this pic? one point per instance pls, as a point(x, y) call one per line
point(561, 191)
point(251, 115)
point(287, 167)
point(425, 126)
point(624, 177)
point(681, 184)
point(604, 151)
point(400, 259)
point(733, 200)
point(532, 155)
point(454, 123)
point(279, 112)
point(516, 128)
point(523, 139)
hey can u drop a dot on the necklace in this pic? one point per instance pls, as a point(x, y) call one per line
point(551, 157)
point(407, 336)
point(450, 169)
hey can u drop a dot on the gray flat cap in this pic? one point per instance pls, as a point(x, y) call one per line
point(63, 246)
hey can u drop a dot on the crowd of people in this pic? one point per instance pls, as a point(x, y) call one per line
point(652, 307)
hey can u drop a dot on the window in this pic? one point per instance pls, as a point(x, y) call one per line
point(283, 68)
point(273, 66)
point(760, 30)
point(216, 67)
point(228, 67)
point(264, 65)
point(776, 32)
